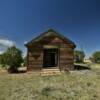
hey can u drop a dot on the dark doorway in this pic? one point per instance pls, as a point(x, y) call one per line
point(50, 58)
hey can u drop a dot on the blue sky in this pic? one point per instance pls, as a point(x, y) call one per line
point(22, 20)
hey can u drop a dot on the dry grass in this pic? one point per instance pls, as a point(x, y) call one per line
point(72, 86)
point(95, 66)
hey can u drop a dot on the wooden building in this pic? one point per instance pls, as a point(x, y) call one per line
point(50, 50)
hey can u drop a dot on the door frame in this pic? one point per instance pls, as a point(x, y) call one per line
point(58, 58)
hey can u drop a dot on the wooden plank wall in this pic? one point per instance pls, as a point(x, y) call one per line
point(66, 55)
point(66, 58)
point(35, 62)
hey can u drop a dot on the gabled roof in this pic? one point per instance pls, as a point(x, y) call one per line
point(50, 32)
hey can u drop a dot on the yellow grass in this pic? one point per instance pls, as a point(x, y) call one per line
point(73, 86)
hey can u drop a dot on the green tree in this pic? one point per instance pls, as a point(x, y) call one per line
point(13, 58)
point(3, 60)
point(79, 56)
point(96, 57)
point(25, 61)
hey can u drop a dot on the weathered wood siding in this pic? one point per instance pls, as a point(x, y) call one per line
point(66, 58)
point(35, 60)
point(66, 54)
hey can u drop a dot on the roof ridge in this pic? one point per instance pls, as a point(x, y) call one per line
point(46, 32)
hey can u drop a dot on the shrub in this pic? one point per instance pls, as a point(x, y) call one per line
point(96, 57)
point(79, 56)
point(13, 59)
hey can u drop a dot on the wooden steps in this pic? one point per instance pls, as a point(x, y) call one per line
point(47, 72)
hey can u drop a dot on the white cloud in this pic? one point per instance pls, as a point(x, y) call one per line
point(4, 43)
point(7, 43)
point(25, 42)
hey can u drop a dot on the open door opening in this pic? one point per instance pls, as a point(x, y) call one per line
point(50, 58)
